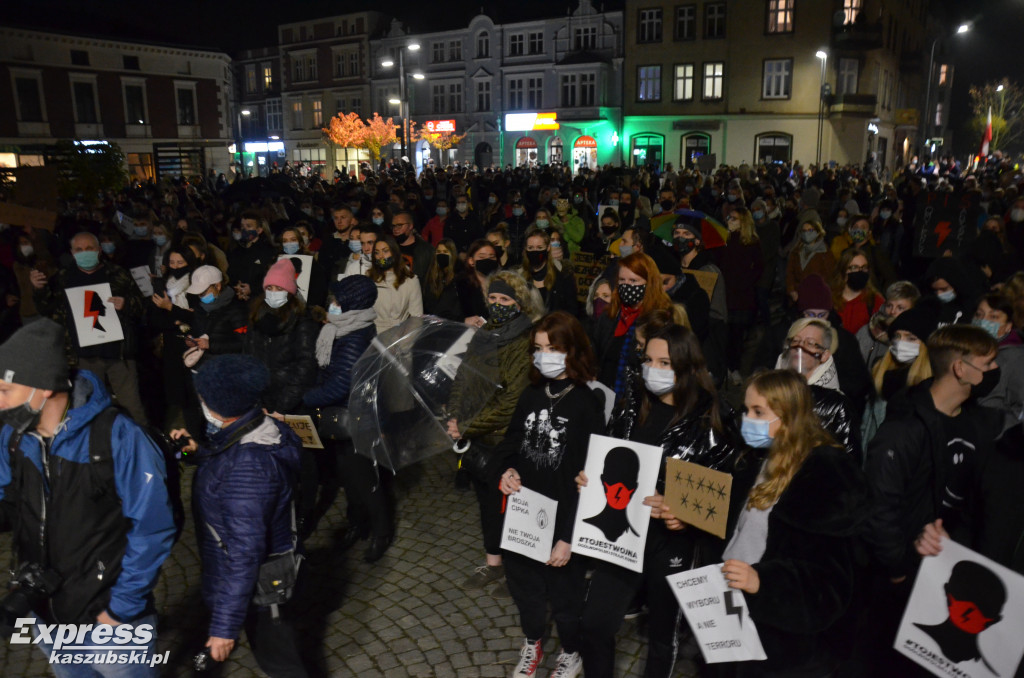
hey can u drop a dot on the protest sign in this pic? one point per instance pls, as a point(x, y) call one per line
point(946, 221)
point(94, 316)
point(717, 615)
point(611, 520)
point(586, 267)
point(303, 427)
point(529, 528)
point(303, 264)
point(125, 223)
point(707, 163)
point(18, 215)
point(706, 279)
point(143, 279)
point(36, 187)
point(697, 495)
point(965, 617)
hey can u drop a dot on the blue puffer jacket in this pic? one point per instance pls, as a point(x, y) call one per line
point(243, 497)
point(334, 382)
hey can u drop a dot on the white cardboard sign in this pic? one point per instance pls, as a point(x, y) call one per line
point(305, 262)
point(141, 276)
point(717, 615)
point(965, 617)
point(302, 425)
point(94, 317)
point(611, 520)
point(529, 528)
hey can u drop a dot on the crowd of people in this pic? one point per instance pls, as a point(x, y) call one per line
point(866, 401)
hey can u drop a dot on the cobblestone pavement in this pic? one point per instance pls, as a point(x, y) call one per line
point(402, 616)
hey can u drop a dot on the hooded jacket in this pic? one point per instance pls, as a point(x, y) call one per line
point(106, 546)
point(242, 498)
point(961, 309)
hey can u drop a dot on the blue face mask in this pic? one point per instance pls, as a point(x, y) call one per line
point(355, 246)
point(758, 215)
point(990, 326)
point(88, 260)
point(160, 240)
point(755, 432)
point(208, 298)
point(334, 309)
point(290, 247)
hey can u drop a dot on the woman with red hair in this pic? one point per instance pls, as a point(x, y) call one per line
point(637, 290)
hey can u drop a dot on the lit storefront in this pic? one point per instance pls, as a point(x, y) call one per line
point(544, 139)
point(584, 153)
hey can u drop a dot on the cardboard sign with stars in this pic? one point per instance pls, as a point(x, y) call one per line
point(697, 495)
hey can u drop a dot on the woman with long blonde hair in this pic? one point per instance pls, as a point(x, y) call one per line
point(793, 549)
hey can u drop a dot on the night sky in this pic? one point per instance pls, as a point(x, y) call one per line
point(991, 51)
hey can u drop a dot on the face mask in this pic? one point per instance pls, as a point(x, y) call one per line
point(1017, 215)
point(276, 299)
point(491, 200)
point(236, 235)
point(88, 260)
point(27, 250)
point(499, 314)
point(160, 240)
point(905, 351)
point(443, 259)
point(755, 432)
point(108, 248)
point(841, 221)
point(550, 365)
point(542, 223)
point(22, 417)
point(613, 203)
point(208, 298)
point(334, 309)
point(658, 381)
point(461, 207)
point(385, 263)
point(618, 495)
point(499, 251)
point(732, 197)
point(215, 423)
point(857, 281)
point(684, 245)
point(688, 188)
point(989, 380)
point(858, 235)
point(808, 236)
point(441, 211)
point(354, 206)
point(141, 231)
point(290, 247)
point(625, 250)
point(578, 199)
point(632, 295)
point(990, 326)
point(600, 305)
point(885, 214)
point(947, 296)
point(486, 267)
point(250, 236)
point(378, 221)
point(608, 230)
point(355, 246)
point(537, 259)
point(715, 193)
point(428, 196)
point(517, 211)
point(758, 215)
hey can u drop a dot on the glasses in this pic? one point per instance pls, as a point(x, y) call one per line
point(807, 345)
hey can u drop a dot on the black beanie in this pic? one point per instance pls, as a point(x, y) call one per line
point(231, 384)
point(34, 356)
point(921, 320)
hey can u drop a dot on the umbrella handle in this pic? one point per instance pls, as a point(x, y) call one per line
point(461, 446)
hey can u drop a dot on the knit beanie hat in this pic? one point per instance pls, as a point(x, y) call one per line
point(34, 356)
point(499, 286)
point(920, 321)
point(354, 292)
point(690, 224)
point(282, 274)
point(814, 293)
point(231, 384)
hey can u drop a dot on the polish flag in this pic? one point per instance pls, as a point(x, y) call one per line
point(986, 139)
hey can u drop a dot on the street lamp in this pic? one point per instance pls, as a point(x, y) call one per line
point(823, 56)
point(241, 138)
point(402, 102)
point(960, 30)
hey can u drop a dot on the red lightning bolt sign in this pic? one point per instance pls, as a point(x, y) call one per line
point(89, 312)
point(942, 230)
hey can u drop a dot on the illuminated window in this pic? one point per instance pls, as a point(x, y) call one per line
point(780, 16)
point(943, 73)
point(648, 83)
point(851, 9)
point(683, 90)
point(714, 80)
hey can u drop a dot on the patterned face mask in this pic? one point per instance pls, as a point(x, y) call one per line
point(500, 314)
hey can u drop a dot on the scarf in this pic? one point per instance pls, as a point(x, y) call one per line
point(511, 330)
point(338, 326)
point(824, 375)
point(176, 290)
point(627, 316)
point(807, 252)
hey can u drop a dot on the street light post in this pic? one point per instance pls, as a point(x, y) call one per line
point(823, 56)
point(926, 113)
point(403, 103)
point(241, 137)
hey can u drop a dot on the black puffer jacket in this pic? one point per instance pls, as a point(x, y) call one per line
point(224, 321)
point(288, 349)
point(836, 416)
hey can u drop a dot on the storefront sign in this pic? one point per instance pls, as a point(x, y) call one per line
point(528, 122)
point(263, 146)
point(526, 142)
point(439, 126)
point(586, 142)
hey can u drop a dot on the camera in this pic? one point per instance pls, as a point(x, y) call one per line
point(201, 661)
point(176, 445)
point(29, 590)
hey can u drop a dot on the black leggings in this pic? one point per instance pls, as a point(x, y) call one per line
point(534, 585)
point(491, 502)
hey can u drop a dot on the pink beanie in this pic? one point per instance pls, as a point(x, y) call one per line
point(282, 274)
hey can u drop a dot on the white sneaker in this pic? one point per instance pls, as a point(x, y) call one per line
point(529, 660)
point(569, 665)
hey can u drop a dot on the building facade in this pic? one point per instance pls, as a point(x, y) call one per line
point(542, 91)
point(167, 107)
point(749, 80)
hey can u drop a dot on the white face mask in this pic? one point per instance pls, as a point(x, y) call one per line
point(1017, 215)
point(550, 365)
point(659, 381)
point(210, 419)
point(276, 299)
point(905, 351)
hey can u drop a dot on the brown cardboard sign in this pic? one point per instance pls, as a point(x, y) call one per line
point(697, 495)
point(29, 217)
point(706, 279)
point(303, 427)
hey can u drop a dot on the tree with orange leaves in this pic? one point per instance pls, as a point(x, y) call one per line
point(346, 131)
point(379, 133)
point(442, 141)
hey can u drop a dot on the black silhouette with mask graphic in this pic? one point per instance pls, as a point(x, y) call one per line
point(975, 596)
point(621, 469)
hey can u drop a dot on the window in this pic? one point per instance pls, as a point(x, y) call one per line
point(297, 115)
point(684, 83)
point(455, 50)
point(339, 64)
point(85, 102)
point(714, 20)
point(437, 52)
point(851, 9)
point(79, 57)
point(778, 78)
point(299, 69)
point(780, 16)
point(686, 22)
point(883, 83)
point(515, 44)
point(339, 106)
point(943, 74)
point(714, 78)
point(483, 95)
point(357, 104)
point(773, 147)
point(649, 25)
point(250, 79)
point(268, 77)
point(437, 99)
point(135, 104)
point(483, 45)
point(588, 89)
point(186, 106)
point(353, 64)
point(130, 63)
point(535, 92)
point(536, 43)
point(30, 105)
point(311, 66)
point(515, 94)
point(274, 118)
point(648, 80)
point(585, 38)
point(318, 113)
point(568, 91)
point(455, 97)
point(847, 80)
point(938, 114)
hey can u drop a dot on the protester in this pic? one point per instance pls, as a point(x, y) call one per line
point(398, 289)
point(556, 284)
point(873, 338)
point(854, 295)
point(809, 257)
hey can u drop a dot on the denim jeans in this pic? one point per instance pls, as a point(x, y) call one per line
point(110, 653)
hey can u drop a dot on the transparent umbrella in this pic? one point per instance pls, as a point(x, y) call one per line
point(411, 380)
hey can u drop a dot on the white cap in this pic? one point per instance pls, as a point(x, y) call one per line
point(203, 277)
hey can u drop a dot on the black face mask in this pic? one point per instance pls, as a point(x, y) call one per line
point(685, 245)
point(988, 382)
point(537, 258)
point(857, 280)
point(486, 267)
point(22, 417)
point(632, 295)
point(443, 259)
point(499, 251)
